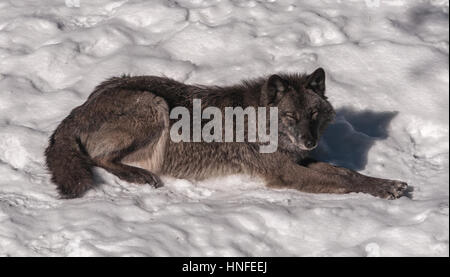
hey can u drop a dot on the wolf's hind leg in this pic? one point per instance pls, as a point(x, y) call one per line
point(132, 143)
point(128, 173)
point(117, 146)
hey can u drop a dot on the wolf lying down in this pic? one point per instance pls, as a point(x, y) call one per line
point(124, 125)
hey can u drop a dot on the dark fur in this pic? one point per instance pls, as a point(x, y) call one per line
point(123, 128)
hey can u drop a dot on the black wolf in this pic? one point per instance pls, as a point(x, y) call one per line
point(124, 125)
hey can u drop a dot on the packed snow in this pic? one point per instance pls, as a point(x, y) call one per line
point(387, 64)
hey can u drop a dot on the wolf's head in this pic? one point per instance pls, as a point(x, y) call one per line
point(303, 109)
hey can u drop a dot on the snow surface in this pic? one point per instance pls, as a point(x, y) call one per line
point(387, 63)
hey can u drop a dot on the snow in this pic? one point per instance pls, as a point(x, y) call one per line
point(387, 68)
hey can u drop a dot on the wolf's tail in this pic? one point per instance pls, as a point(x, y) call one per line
point(69, 164)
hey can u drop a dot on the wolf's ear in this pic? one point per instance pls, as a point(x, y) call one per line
point(316, 81)
point(274, 88)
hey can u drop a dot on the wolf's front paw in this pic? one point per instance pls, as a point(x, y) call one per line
point(390, 189)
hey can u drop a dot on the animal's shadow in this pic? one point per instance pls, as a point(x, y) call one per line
point(347, 141)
